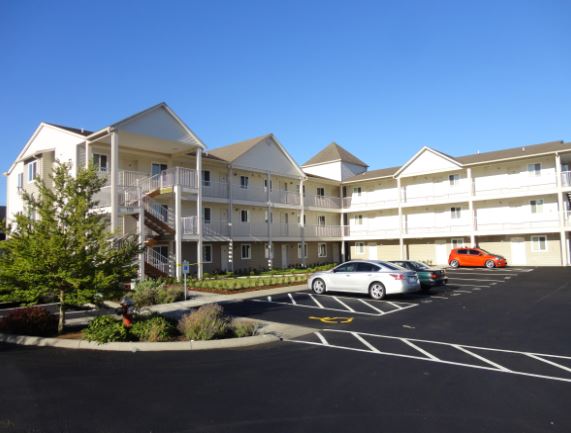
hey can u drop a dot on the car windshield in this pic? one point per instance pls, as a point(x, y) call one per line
point(391, 266)
point(487, 252)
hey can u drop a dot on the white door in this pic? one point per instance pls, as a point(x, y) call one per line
point(284, 256)
point(224, 258)
point(518, 251)
point(441, 255)
point(373, 251)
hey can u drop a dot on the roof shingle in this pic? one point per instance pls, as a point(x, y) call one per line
point(334, 152)
point(233, 151)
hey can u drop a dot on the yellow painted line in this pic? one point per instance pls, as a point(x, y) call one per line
point(332, 320)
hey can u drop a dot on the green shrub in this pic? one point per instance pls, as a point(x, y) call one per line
point(30, 321)
point(105, 329)
point(153, 292)
point(206, 323)
point(153, 329)
point(244, 328)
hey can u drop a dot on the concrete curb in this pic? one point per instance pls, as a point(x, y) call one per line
point(227, 343)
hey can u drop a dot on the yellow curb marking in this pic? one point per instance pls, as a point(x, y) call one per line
point(332, 320)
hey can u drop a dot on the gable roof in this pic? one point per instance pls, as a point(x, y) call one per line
point(515, 152)
point(373, 174)
point(78, 131)
point(234, 151)
point(423, 150)
point(333, 152)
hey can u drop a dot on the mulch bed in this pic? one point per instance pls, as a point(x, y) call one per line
point(243, 290)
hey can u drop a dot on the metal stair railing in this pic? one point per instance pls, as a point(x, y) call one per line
point(159, 211)
point(157, 260)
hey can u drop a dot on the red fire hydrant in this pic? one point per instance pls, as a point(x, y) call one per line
point(127, 311)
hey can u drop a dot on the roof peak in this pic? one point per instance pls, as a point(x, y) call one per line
point(334, 152)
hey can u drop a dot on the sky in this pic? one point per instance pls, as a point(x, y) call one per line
point(381, 78)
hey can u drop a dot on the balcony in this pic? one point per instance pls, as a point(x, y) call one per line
point(128, 197)
point(507, 184)
point(438, 229)
point(286, 231)
point(186, 177)
point(215, 190)
point(322, 201)
point(435, 193)
point(251, 193)
point(521, 226)
point(209, 230)
point(256, 230)
point(323, 231)
point(371, 231)
point(367, 201)
point(285, 198)
point(566, 178)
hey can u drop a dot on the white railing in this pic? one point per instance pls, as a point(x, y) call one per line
point(371, 231)
point(285, 197)
point(434, 193)
point(252, 193)
point(186, 177)
point(326, 231)
point(130, 178)
point(157, 260)
point(286, 230)
point(156, 209)
point(150, 184)
point(444, 229)
point(190, 227)
point(250, 229)
point(568, 218)
point(566, 178)
point(506, 183)
point(518, 225)
point(215, 189)
point(322, 201)
point(127, 196)
point(369, 201)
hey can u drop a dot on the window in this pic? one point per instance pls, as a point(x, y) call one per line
point(347, 267)
point(20, 180)
point(100, 162)
point(163, 250)
point(32, 170)
point(360, 246)
point(536, 206)
point(474, 253)
point(322, 250)
point(320, 192)
point(207, 215)
point(534, 169)
point(367, 267)
point(303, 190)
point(157, 168)
point(357, 191)
point(538, 244)
point(245, 252)
point(207, 253)
point(455, 213)
point(454, 179)
point(268, 251)
point(304, 219)
point(206, 177)
point(266, 185)
point(299, 251)
point(457, 243)
point(462, 251)
point(244, 180)
point(358, 220)
point(245, 216)
point(321, 220)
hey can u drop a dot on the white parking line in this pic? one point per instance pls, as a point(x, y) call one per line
point(372, 306)
point(439, 297)
point(473, 279)
point(427, 356)
point(470, 285)
point(315, 300)
point(394, 305)
point(343, 303)
point(292, 300)
point(463, 291)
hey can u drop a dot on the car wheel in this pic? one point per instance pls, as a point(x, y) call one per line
point(318, 286)
point(377, 290)
point(455, 263)
point(490, 264)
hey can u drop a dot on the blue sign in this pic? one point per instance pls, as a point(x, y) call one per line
point(185, 267)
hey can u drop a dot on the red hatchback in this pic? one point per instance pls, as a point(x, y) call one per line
point(475, 257)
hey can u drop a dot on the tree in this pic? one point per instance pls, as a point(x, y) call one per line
point(61, 248)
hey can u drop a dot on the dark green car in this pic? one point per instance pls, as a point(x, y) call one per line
point(428, 276)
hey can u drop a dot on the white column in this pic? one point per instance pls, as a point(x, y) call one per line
point(114, 181)
point(301, 221)
point(561, 206)
point(341, 223)
point(230, 228)
point(471, 207)
point(199, 259)
point(87, 156)
point(141, 230)
point(269, 207)
point(178, 228)
point(401, 220)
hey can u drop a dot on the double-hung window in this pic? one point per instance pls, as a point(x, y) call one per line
point(320, 192)
point(299, 249)
point(244, 180)
point(358, 220)
point(207, 215)
point(454, 179)
point(455, 213)
point(207, 253)
point(244, 216)
point(32, 170)
point(157, 168)
point(321, 220)
point(536, 206)
point(322, 250)
point(245, 251)
point(20, 180)
point(206, 177)
point(357, 191)
point(534, 169)
point(539, 244)
point(360, 247)
point(100, 162)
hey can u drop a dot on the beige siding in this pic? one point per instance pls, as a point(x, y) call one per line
point(389, 251)
point(421, 250)
point(550, 257)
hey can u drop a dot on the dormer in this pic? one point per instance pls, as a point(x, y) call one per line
point(427, 161)
point(335, 162)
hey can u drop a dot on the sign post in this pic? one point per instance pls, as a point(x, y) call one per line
point(185, 272)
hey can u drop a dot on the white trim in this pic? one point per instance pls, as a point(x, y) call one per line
point(249, 257)
point(204, 246)
point(319, 245)
point(420, 152)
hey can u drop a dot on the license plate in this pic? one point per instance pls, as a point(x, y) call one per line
point(412, 279)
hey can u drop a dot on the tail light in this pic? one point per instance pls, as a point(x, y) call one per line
point(397, 276)
point(434, 275)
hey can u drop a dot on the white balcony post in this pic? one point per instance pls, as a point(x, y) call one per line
point(341, 221)
point(471, 208)
point(301, 221)
point(178, 229)
point(269, 207)
point(87, 149)
point(199, 212)
point(401, 222)
point(114, 181)
point(142, 234)
point(562, 236)
point(230, 227)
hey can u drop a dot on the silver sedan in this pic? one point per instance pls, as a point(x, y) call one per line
point(375, 277)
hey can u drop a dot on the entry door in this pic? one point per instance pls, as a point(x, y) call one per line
point(518, 251)
point(224, 258)
point(284, 257)
point(373, 251)
point(441, 252)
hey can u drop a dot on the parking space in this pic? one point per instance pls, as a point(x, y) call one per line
point(359, 306)
point(536, 365)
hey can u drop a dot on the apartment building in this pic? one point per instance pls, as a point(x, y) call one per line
point(250, 205)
